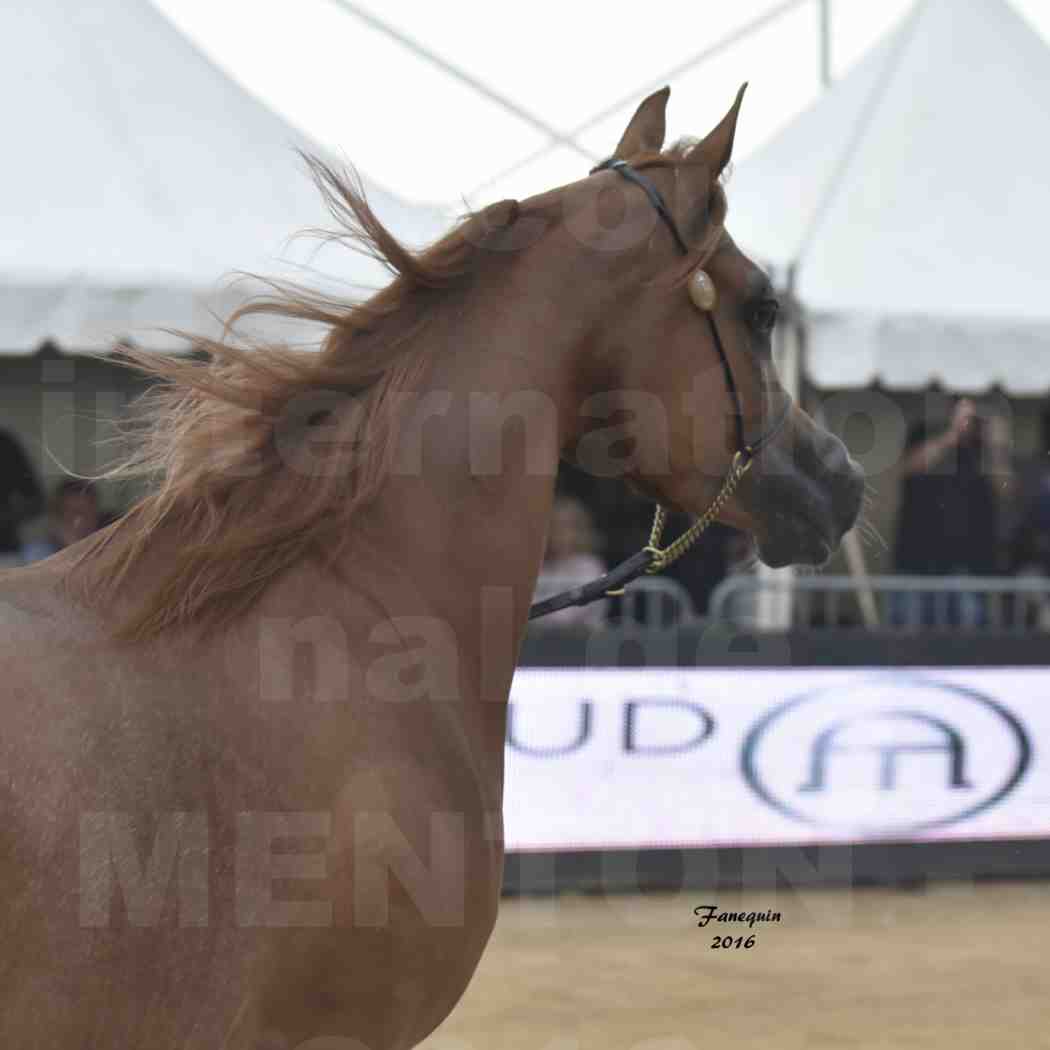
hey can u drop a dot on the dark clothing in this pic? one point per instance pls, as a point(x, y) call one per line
point(625, 519)
point(947, 523)
point(704, 566)
point(21, 497)
point(1030, 541)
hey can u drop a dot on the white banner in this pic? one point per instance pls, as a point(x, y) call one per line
point(611, 758)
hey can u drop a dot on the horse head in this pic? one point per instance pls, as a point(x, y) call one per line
point(679, 355)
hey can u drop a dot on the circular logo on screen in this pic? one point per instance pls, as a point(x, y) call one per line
point(886, 755)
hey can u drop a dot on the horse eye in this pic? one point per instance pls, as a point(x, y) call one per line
point(764, 316)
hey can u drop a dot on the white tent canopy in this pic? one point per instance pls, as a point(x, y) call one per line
point(914, 200)
point(137, 175)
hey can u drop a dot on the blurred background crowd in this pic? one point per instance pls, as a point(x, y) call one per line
point(966, 507)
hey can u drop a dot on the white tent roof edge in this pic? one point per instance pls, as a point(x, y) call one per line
point(913, 199)
point(142, 178)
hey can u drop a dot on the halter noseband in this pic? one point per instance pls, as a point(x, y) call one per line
point(653, 558)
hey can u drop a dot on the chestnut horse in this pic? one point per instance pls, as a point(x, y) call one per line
point(254, 730)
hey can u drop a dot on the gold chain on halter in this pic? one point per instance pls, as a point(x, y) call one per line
point(664, 556)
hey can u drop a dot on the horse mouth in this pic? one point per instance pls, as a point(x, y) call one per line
point(794, 537)
point(801, 520)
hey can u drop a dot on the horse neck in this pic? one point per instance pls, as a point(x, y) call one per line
point(457, 533)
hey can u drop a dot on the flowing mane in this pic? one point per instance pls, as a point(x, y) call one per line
point(216, 433)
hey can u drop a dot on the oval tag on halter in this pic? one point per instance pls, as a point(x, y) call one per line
point(702, 291)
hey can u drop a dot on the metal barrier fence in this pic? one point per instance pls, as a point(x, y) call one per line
point(902, 603)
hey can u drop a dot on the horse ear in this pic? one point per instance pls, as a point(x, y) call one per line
point(645, 133)
point(716, 150)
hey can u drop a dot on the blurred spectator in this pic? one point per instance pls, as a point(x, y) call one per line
point(741, 560)
point(708, 562)
point(73, 515)
point(1030, 539)
point(21, 497)
point(571, 560)
point(1030, 542)
point(623, 516)
point(947, 525)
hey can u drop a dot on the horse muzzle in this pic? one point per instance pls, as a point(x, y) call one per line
point(801, 516)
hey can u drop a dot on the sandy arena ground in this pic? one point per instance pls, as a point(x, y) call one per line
point(964, 967)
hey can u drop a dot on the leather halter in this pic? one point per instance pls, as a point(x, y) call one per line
point(653, 558)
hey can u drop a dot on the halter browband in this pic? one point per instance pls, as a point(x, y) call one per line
point(653, 558)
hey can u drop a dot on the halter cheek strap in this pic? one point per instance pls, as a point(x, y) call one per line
point(653, 558)
point(623, 169)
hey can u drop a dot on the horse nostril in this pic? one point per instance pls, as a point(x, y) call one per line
point(836, 462)
point(845, 481)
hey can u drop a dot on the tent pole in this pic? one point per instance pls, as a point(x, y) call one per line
point(858, 569)
point(776, 598)
point(791, 372)
point(824, 15)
